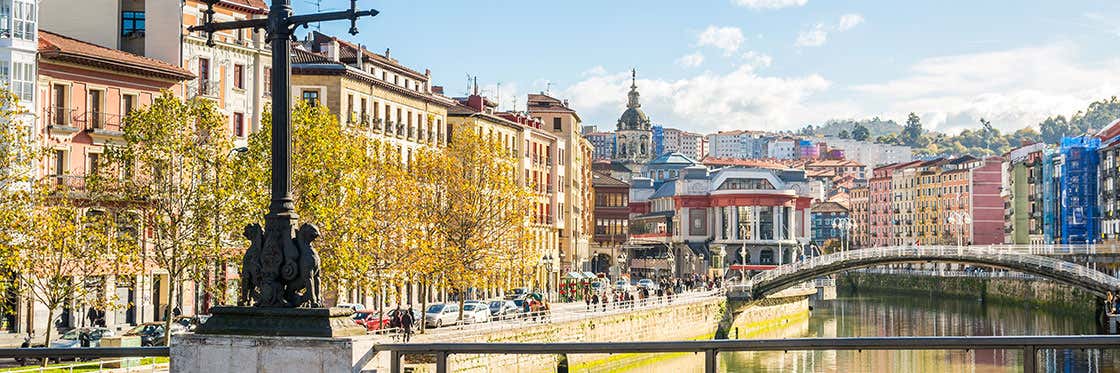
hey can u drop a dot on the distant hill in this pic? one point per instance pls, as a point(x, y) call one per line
point(877, 127)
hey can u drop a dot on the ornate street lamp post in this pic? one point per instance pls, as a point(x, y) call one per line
point(280, 268)
point(621, 264)
point(546, 261)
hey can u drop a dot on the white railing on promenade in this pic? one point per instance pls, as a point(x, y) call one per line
point(1049, 249)
point(567, 312)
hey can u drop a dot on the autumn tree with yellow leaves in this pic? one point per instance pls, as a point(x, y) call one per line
point(481, 213)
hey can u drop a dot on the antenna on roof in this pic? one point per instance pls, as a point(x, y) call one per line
point(499, 96)
point(548, 88)
point(469, 84)
point(318, 9)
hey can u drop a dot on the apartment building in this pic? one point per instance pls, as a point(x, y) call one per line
point(86, 91)
point(371, 92)
point(574, 154)
point(232, 72)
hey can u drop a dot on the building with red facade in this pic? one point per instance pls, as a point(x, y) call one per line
point(85, 93)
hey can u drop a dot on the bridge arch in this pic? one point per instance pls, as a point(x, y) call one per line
point(769, 282)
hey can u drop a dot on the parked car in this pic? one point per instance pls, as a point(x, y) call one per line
point(438, 315)
point(152, 333)
point(504, 309)
point(476, 312)
point(371, 319)
point(648, 284)
point(82, 337)
point(517, 293)
point(352, 306)
point(189, 323)
point(623, 285)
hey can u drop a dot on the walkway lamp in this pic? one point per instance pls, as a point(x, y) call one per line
point(960, 219)
point(546, 261)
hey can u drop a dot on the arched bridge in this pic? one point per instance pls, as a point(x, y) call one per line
point(772, 281)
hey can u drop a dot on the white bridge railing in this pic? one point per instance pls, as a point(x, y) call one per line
point(1006, 255)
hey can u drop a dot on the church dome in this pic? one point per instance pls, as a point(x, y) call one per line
point(633, 119)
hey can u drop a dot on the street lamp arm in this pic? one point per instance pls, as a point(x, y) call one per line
point(351, 14)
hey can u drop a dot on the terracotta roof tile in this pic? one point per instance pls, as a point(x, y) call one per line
point(258, 5)
point(56, 46)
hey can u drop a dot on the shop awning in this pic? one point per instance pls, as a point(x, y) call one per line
point(575, 275)
point(589, 275)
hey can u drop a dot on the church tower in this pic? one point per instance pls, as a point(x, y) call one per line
point(635, 139)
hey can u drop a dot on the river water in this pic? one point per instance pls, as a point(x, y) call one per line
point(876, 314)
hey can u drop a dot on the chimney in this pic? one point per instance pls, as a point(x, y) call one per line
point(330, 49)
point(360, 53)
point(474, 101)
point(437, 89)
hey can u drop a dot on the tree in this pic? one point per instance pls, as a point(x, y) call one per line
point(860, 132)
point(912, 132)
point(166, 158)
point(481, 211)
point(843, 134)
point(16, 161)
point(63, 248)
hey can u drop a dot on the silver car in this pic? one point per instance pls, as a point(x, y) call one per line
point(82, 337)
point(475, 312)
point(438, 315)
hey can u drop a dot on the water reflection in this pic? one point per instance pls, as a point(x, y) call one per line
point(867, 315)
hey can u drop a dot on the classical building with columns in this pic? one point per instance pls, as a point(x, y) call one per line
point(701, 220)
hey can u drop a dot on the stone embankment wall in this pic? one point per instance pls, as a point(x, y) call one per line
point(675, 322)
point(1034, 292)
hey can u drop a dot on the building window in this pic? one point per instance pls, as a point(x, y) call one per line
point(59, 164)
point(239, 76)
point(60, 111)
point(96, 108)
point(268, 81)
point(23, 81)
point(93, 163)
point(128, 103)
point(311, 97)
point(239, 124)
point(557, 125)
point(132, 23)
point(23, 25)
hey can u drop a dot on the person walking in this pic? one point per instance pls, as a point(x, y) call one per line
point(587, 299)
point(406, 321)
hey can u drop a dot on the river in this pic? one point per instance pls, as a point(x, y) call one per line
point(877, 314)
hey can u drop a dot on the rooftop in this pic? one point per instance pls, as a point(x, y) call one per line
point(59, 47)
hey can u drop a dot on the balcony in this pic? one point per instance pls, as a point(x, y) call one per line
point(99, 122)
point(204, 88)
point(353, 118)
point(377, 122)
point(60, 119)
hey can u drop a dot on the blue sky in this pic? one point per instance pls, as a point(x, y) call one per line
point(764, 64)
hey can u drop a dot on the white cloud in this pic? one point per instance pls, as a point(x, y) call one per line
point(1012, 88)
point(691, 60)
point(727, 39)
point(597, 70)
point(848, 21)
point(814, 37)
point(818, 34)
point(769, 4)
point(740, 99)
point(756, 60)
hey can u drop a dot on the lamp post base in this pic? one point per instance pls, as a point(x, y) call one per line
point(281, 322)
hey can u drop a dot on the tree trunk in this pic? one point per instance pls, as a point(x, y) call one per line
point(462, 302)
point(50, 324)
point(168, 314)
point(423, 305)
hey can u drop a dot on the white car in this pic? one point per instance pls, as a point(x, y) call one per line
point(352, 306)
point(623, 285)
point(438, 315)
point(82, 337)
point(648, 284)
point(475, 312)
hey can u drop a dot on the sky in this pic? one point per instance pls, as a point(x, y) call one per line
point(709, 65)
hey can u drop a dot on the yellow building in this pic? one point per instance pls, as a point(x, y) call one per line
point(536, 151)
point(573, 171)
point(373, 92)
